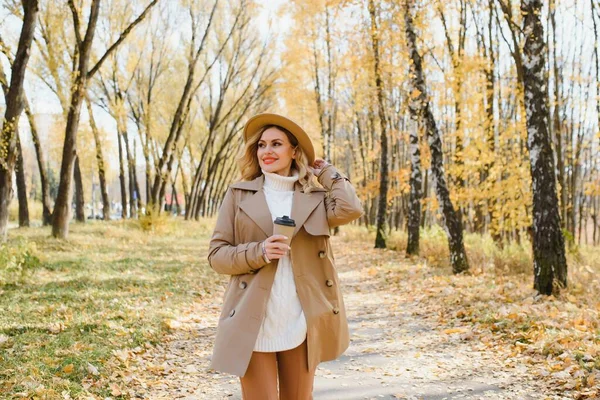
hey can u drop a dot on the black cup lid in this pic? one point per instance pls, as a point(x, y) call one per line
point(285, 220)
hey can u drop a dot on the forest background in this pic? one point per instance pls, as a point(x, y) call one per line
point(132, 111)
point(315, 64)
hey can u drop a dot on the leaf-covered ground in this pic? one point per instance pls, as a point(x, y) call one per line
point(416, 333)
point(117, 313)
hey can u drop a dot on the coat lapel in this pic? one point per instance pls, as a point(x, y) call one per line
point(256, 207)
point(303, 205)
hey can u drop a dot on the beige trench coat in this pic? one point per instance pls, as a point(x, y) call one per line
point(244, 221)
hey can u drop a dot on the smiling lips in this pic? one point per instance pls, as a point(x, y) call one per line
point(269, 160)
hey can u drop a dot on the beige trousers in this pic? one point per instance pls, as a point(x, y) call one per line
point(295, 380)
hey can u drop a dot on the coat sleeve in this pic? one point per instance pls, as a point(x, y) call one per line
point(342, 204)
point(223, 255)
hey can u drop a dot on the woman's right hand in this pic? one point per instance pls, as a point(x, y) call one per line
point(276, 247)
point(318, 165)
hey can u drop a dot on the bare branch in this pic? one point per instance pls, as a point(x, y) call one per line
point(121, 38)
point(76, 23)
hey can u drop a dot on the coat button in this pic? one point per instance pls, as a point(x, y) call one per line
point(329, 282)
point(336, 310)
point(243, 285)
point(322, 254)
point(233, 312)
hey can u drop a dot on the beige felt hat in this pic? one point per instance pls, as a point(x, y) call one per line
point(258, 121)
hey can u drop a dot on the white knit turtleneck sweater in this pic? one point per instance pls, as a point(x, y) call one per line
point(284, 325)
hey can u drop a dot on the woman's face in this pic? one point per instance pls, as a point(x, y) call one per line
point(275, 152)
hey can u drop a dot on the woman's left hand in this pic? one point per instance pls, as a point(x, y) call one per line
point(318, 166)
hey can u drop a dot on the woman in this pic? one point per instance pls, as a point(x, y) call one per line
point(283, 312)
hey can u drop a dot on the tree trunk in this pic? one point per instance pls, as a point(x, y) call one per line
point(202, 199)
point(100, 161)
point(416, 181)
point(550, 264)
point(320, 107)
point(362, 149)
point(174, 199)
point(485, 219)
point(21, 187)
point(558, 137)
point(380, 240)
point(419, 105)
point(36, 143)
point(137, 197)
point(184, 180)
point(596, 65)
point(14, 108)
point(194, 191)
point(60, 223)
point(425, 192)
point(122, 176)
point(594, 199)
point(163, 186)
point(79, 198)
point(41, 161)
point(456, 56)
point(130, 172)
point(222, 181)
point(148, 168)
point(595, 223)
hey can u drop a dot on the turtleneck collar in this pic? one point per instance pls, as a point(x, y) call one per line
point(279, 182)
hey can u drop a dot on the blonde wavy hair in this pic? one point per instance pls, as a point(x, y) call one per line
point(250, 168)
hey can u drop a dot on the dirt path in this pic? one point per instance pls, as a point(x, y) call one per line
point(396, 351)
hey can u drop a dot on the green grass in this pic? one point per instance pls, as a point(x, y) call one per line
point(109, 286)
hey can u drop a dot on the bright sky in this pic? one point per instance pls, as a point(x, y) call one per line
point(270, 14)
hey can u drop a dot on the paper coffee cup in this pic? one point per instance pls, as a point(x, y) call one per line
point(284, 226)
